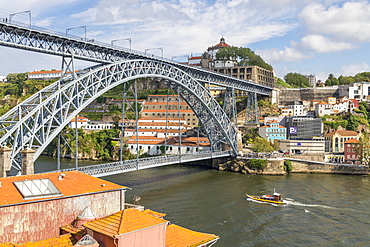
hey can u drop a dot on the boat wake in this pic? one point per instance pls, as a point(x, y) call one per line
point(311, 205)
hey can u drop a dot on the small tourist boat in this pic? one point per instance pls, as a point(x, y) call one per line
point(274, 198)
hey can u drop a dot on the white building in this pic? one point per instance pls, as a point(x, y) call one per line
point(2, 78)
point(359, 91)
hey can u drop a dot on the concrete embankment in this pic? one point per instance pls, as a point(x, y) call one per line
point(277, 167)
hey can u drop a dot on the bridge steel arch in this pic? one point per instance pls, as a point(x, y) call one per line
point(54, 43)
point(35, 122)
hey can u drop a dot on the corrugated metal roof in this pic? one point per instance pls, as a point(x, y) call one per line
point(124, 221)
point(177, 236)
point(73, 183)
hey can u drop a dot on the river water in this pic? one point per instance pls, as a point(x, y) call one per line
point(329, 210)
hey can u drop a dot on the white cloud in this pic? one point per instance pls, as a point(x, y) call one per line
point(348, 22)
point(353, 69)
point(322, 44)
point(288, 54)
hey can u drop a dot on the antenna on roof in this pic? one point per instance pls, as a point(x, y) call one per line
point(136, 199)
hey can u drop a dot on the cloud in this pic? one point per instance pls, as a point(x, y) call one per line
point(348, 22)
point(321, 44)
point(353, 69)
point(288, 54)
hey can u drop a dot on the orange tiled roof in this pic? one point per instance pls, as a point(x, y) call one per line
point(165, 103)
point(322, 103)
point(160, 118)
point(181, 111)
point(352, 141)
point(65, 240)
point(73, 183)
point(124, 221)
point(156, 214)
point(45, 72)
point(343, 133)
point(177, 236)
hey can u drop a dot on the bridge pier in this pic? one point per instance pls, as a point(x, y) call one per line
point(27, 161)
point(5, 163)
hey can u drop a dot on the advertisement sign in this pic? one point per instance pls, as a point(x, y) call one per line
point(293, 130)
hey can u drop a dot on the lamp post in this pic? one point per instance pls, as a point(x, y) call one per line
point(27, 11)
point(68, 29)
point(128, 39)
point(160, 48)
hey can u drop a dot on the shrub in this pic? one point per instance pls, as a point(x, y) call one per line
point(258, 164)
point(288, 166)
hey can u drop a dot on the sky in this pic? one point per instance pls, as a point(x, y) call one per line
point(294, 36)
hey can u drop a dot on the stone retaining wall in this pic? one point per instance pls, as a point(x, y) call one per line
point(276, 167)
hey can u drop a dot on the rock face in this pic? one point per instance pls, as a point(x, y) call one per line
point(274, 167)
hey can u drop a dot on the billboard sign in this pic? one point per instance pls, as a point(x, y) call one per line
point(293, 130)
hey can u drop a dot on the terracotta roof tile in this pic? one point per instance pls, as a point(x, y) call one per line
point(343, 133)
point(177, 236)
point(65, 240)
point(124, 221)
point(73, 183)
point(352, 141)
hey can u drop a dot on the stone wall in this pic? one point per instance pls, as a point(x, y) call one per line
point(313, 167)
point(287, 95)
point(276, 167)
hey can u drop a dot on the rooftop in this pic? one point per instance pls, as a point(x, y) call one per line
point(73, 183)
point(124, 221)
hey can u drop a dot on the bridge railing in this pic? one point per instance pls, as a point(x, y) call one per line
point(144, 163)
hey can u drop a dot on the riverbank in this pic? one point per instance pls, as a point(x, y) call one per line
point(278, 167)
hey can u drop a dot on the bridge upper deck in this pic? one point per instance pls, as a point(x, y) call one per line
point(47, 41)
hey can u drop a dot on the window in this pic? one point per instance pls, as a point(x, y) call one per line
point(37, 188)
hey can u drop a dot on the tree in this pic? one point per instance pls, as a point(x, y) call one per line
point(296, 80)
point(281, 82)
point(244, 56)
point(353, 123)
point(331, 81)
point(261, 145)
point(259, 164)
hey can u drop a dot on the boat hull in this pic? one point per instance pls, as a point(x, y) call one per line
point(257, 198)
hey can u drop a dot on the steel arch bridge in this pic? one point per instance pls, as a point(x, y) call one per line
point(35, 122)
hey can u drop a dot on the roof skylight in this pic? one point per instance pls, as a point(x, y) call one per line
point(37, 188)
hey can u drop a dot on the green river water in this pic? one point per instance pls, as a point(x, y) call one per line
point(329, 210)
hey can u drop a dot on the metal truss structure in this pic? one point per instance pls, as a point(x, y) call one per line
point(251, 114)
point(38, 120)
point(35, 122)
point(51, 42)
point(230, 104)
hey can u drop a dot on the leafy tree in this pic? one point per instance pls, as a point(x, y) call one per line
point(331, 81)
point(343, 80)
point(281, 82)
point(261, 145)
point(288, 166)
point(244, 56)
point(259, 164)
point(296, 80)
point(353, 123)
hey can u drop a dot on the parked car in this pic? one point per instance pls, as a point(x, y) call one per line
point(287, 152)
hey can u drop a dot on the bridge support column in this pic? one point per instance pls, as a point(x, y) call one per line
point(27, 161)
point(239, 139)
point(5, 163)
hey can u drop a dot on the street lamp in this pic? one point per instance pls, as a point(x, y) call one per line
point(68, 29)
point(128, 39)
point(27, 11)
point(160, 48)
